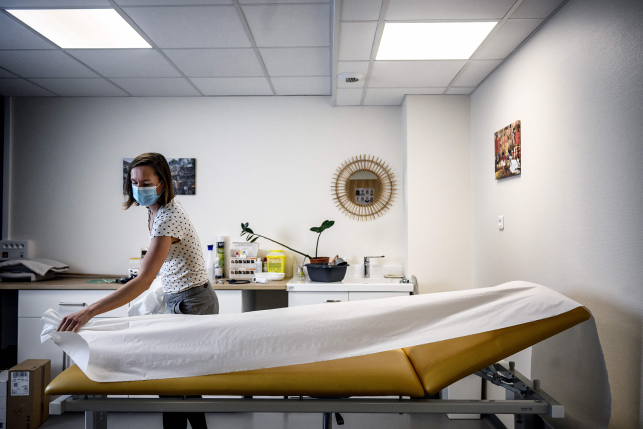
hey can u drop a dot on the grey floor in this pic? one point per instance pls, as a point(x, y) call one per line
point(277, 421)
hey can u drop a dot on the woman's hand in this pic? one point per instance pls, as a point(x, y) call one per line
point(75, 321)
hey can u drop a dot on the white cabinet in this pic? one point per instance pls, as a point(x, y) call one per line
point(308, 298)
point(359, 296)
point(235, 301)
point(33, 303)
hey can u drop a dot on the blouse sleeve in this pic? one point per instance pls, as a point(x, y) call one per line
point(168, 225)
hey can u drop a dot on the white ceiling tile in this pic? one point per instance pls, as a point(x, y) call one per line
point(475, 72)
point(5, 74)
point(452, 9)
point(21, 88)
point(281, 1)
point(536, 8)
point(301, 85)
point(503, 41)
point(216, 62)
point(16, 36)
point(352, 66)
point(191, 27)
point(169, 2)
point(394, 96)
point(81, 87)
point(349, 97)
point(43, 64)
point(126, 62)
point(461, 90)
point(361, 10)
point(356, 40)
point(414, 74)
point(289, 25)
point(296, 61)
point(232, 85)
point(156, 87)
point(53, 3)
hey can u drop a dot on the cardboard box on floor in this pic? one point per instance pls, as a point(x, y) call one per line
point(27, 404)
point(4, 376)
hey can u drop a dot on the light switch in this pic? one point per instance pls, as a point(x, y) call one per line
point(501, 222)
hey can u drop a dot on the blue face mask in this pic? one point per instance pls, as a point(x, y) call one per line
point(146, 196)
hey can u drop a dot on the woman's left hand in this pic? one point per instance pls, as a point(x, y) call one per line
point(75, 321)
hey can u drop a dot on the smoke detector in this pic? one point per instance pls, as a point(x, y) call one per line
point(350, 77)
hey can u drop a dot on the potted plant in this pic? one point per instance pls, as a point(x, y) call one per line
point(251, 236)
point(319, 229)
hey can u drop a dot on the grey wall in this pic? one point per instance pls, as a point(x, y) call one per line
point(268, 161)
point(573, 219)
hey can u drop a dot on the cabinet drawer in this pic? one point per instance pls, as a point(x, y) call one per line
point(359, 296)
point(33, 303)
point(308, 298)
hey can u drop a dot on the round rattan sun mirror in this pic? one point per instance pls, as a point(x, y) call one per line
point(364, 187)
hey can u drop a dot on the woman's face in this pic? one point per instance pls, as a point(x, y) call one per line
point(144, 176)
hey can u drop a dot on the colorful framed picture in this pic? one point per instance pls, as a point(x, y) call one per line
point(183, 172)
point(508, 158)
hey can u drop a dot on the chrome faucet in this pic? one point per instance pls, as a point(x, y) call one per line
point(367, 265)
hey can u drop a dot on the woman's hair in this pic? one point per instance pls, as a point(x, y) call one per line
point(161, 169)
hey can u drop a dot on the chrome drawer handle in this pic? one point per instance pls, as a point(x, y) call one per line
point(76, 304)
point(333, 300)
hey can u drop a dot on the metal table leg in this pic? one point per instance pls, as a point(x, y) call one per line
point(328, 421)
point(96, 419)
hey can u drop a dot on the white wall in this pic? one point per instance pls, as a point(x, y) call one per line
point(573, 218)
point(268, 161)
point(438, 191)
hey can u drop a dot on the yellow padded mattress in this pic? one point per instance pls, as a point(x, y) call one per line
point(411, 371)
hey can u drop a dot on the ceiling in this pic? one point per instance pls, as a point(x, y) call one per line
point(259, 47)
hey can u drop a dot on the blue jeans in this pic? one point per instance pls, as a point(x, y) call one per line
point(197, 300)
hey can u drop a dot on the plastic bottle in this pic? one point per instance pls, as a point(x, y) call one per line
point(209, 264)
point(276, 261)
point(220, 266)
point(258, 265)
point(265, 265)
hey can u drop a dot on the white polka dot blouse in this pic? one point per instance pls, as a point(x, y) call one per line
point(184, 267)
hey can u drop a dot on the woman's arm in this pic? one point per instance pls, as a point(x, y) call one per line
point(156, 254)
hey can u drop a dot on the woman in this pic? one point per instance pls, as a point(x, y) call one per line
point(174, 250)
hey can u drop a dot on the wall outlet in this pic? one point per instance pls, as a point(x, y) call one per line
point(10, 249)
point(501, 222)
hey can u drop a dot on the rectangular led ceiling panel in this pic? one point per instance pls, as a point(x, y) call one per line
point(432, 40)
point(82, 28)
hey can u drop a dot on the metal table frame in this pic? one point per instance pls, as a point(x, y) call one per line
point(526, 405)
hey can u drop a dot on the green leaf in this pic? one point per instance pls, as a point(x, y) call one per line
point(254, 239)
point(316, 229)
point(327, 224)
point(250, 231)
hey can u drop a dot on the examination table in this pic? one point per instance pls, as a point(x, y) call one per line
point(414, 375)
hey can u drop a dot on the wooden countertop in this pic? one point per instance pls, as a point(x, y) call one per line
point(75, 282)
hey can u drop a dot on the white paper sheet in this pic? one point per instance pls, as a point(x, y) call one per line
point(169, 346)
point(152, 301)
